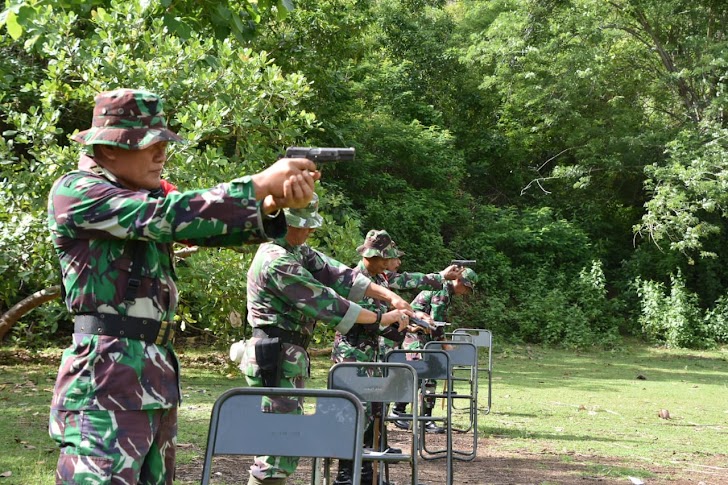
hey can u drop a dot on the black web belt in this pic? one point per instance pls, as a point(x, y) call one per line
point(286, 336)
point(146, 329)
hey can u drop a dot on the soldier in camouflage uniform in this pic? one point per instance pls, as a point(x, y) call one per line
point(114, 408)
point(435, 304)
point(358, 345)
point(290, 287)
point(394, 261)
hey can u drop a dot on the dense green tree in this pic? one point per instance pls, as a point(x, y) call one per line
point(233, 107)
point(239, 19)
point(590, 94)
point(407, 175)
point(576, 148)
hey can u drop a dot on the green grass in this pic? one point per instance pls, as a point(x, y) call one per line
point(597, 403)
point(544, 400)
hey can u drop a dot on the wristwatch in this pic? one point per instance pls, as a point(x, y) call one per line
point(378, 321)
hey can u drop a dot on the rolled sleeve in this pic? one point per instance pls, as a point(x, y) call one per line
point(349, 319)
point(359, 288)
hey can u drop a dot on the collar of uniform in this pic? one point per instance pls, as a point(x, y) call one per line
point(282, 242)
point(88, 164)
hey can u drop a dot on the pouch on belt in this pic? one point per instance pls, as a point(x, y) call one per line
point(269, 356)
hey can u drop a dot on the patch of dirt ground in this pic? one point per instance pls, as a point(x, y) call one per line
point(493, 466)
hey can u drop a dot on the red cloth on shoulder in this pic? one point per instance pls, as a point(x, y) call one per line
point(167, 187)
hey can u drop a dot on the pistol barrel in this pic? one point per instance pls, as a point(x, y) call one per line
point(322, 154)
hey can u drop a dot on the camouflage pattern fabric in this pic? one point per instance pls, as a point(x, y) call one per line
point(305, 217)
point(91, 217)
point(100, 372)
point(409, 281)
point(85, 438)
point(291, 288)
point(469, 278)
point(414, 281)
point(393, 251)
point(127, 118)
point(358, 347)
point(385, 345)
point(434, 303)
point(376, 244)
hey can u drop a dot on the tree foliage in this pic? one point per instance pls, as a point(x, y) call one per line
point(572, 148)
point(234, 108)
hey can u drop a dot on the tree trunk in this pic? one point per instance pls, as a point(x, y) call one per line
point(10, 317)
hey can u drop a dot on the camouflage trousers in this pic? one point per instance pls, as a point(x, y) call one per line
point(385, 345)
point(277, 466)
point(417, 341)
point(365, 351)
point(115, 447)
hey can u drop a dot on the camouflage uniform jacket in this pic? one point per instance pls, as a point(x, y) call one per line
point(294, 287)
point(435, 304)
point(393, 281)
point(91, 218)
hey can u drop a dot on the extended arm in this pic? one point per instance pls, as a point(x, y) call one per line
point(380, 293)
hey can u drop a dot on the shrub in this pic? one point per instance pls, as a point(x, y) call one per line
point(716, 320)
point(538, 280)
point(673, 319)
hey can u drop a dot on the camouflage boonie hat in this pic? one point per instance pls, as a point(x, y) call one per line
point(393, 251)
point(127, 118)
point(375, 244)
point(305, 217)
point(469, 278)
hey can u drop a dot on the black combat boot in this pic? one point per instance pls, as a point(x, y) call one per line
point(345, 471)
point(400, 409)
point(431, 426)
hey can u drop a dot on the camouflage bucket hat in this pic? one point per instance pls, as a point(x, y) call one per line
point(127, 118)
point(469, 278)
point(305, 217)
point(375, 244)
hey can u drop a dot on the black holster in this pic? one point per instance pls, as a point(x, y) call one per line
point(392, 333)
point(269, 357)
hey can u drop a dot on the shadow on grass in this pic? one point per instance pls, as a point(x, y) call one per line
point(509, 433)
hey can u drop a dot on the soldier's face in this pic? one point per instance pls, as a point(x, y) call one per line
point(393, 264)
point(376, 265)
point(297, 236)
point(136, 169)
point(460, 288)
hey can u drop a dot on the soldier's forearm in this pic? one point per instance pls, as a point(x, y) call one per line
point(380, 293)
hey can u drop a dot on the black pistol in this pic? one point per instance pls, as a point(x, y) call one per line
point(319, 155)
point(421, 323)
point(464, 262)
